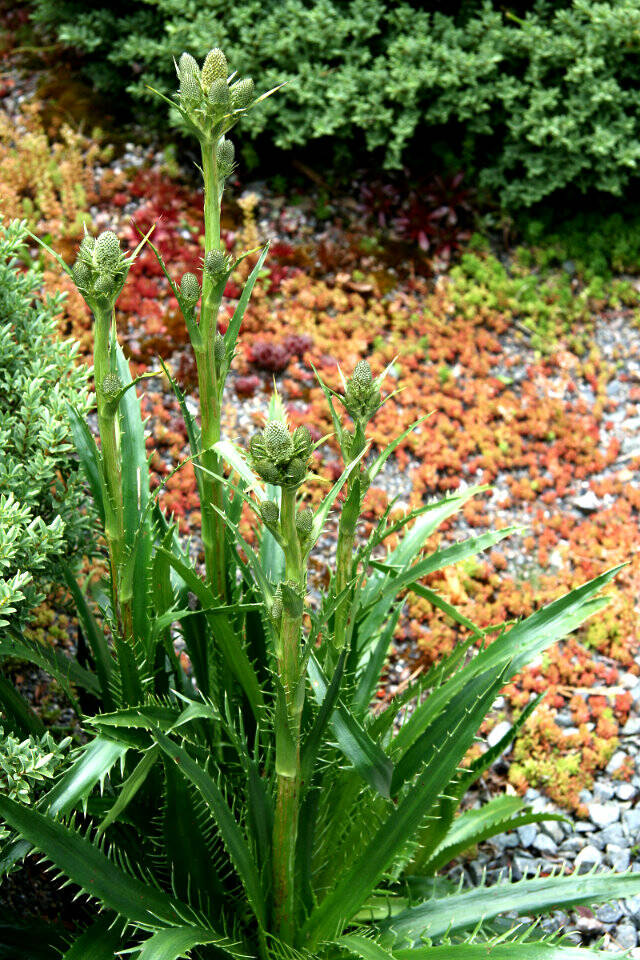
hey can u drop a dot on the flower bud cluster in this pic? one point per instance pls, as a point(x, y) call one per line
point(362, 395)
point(100, 268)
point(279, 457)
point(209, 101)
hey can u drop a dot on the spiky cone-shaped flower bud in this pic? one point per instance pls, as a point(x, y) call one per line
point(362, 396)
point(270, 512)
point(190, 289)
point(107, 253)
point(105, 286)
point(190, 91)
point(242, 94)
point(110, 388)
point(215, 67)
point(296, 471)
point(219, 97)
point(278, 442)
point(304, 523)
point(217, 263)
point(225, 156)
point(82, 274)
point(188, 66)
point(219, 351)
point(276, 605)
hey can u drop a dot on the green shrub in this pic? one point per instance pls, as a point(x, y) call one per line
point(539, 104)
point(44, 515)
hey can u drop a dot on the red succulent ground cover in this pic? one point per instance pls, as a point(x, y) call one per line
point(535, 428)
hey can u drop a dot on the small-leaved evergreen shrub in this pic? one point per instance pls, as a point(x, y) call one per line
point(44, 513)
point(533, 103)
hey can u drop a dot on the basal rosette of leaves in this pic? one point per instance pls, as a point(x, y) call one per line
point(45, 515)
point(243, 800)
point(542, 102)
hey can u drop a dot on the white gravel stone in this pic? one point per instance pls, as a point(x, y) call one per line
point(587, 859)
point(602, 814)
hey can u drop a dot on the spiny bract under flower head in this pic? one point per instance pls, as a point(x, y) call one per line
point(214, 68)
point(242, 93)
point(190, 288)
point(107, 251)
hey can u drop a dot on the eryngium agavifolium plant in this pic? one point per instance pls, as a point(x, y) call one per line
point(255, 806)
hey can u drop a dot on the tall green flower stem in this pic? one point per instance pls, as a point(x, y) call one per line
point(110, 444)
point(213, 536)
point(291, 701)
point(345, 553)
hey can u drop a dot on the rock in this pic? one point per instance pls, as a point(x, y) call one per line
point(585, 796)
point(603, 791)
point(613, 834)
point(631, 906)
point(618, 857)
point(587, 859)
point(631, 727)
point(615, 763)
point(563, 718)
point(628, 680)
point(524, 867)
point(572, 845)
point(584, 826)
point(589, 925)
point(631, 821)
point(587, 502)
point(555, 829)
point(603, 814)
point(626, 791)
point(527, 834)
point(626, 935)
point(545, 845)
point(495, 736)
point(609, 913)
point(505, 840)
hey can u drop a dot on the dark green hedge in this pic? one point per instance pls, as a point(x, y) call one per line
point(542, 99)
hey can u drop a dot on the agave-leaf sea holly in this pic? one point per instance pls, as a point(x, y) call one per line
point(254, 806)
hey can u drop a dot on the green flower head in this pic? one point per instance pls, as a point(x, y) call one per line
point(279, 458)
point(362, 395)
